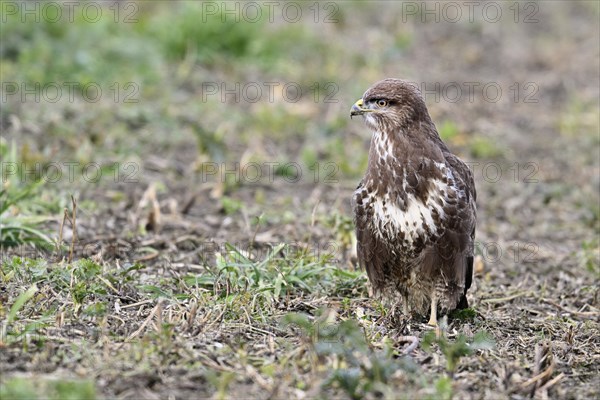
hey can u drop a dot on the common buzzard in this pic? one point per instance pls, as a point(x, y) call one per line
point(415, 207)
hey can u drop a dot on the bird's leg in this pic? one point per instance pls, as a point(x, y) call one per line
point(405, 306)
point(433, 315)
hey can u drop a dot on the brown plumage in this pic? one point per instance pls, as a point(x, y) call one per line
point(415, 207)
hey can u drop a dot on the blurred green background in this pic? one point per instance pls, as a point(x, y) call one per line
point(157, 65)
point(182, 84)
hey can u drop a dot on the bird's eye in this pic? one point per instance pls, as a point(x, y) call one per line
point(382, 103)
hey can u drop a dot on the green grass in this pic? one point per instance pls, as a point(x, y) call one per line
point(241, 286)
point(26, 389)
point(236, 281)
point(284, 271)
point(589, 256)
point(17, 226)
point(484, 148)
point(448, 130)
point(84, 51)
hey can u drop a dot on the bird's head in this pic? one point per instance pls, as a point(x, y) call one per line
point(391, 104)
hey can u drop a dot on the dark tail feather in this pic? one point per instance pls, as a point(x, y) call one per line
point(463, 303)
point(469, 273)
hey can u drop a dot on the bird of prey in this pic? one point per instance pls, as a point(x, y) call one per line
point(415, 207)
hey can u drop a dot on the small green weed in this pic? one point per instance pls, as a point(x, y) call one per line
point(590, 256)
point(458, 349)
point(468, 314)
point(16, 228)
point(358, 370)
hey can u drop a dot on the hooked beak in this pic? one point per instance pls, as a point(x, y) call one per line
point(358, 108)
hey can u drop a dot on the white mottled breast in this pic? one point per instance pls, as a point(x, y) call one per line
point(390, 219)
point(408, 216)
